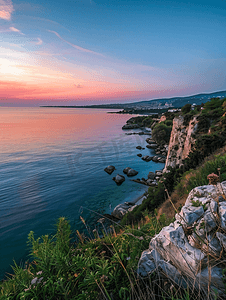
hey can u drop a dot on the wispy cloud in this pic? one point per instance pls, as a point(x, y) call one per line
point(6, 9)
point(75, 46)
point(39, 42)
point(15, 30)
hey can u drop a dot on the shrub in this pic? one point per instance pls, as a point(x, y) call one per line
point(187, 118)
point(213, 104)
point(170, 115)
point(161, 133)
point(168, 123)
point(186, 108)
point(102, 268)
point(213, 178)
point(203, 123)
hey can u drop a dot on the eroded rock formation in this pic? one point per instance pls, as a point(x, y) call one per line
point(189, 250)
point(181, 141)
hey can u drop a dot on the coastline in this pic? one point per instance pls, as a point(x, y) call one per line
point(138, 200)
point(127, 206)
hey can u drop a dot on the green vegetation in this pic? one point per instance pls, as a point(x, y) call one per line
point(161, 133)
point(100, 268)
point(143, 121)
point(186, 108)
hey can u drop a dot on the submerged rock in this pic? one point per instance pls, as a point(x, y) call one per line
point(121, 209)
point(147, 158)
point(155, 158)
point(150, 141)
point(132, 172)
point(139, 155)
point(152, 146)
point(139, 181)
point(109, 169)
point(140, 148)
point(119, 179)
point(151, 175)
point(125, 171)
point(130, 126)
point(162, 160)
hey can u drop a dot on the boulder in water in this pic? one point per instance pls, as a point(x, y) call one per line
point(132, 172)
point(109, 169)
point(151, 175)
point(119, 179)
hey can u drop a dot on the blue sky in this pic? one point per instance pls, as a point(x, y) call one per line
point(87, 51)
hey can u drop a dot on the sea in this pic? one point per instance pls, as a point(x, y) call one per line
point(52, 164)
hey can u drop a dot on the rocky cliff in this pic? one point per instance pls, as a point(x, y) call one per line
point(181, 141)
point(191, 250)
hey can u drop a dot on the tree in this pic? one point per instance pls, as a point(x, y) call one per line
point(186, 108)
point(161, 134)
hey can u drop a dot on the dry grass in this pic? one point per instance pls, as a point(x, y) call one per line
point(179, 197)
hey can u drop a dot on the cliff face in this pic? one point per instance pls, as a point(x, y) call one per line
point(181, 141)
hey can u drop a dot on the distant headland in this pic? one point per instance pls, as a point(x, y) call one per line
point(151, 106)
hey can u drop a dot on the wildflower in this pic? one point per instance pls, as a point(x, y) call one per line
point(213, 178)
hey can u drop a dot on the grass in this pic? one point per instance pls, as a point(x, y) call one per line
point(96, 269)
point(198, 177)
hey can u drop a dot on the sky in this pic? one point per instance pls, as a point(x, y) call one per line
point(82, 52)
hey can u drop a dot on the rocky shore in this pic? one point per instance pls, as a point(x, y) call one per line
point(152, 178)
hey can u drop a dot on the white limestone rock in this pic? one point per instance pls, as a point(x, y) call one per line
point(172, 244)
point(222, 212)
point(152, 261)
point(191, 213)
point(211, 245)
point(121, 209)
point(222, 238)
point(217, 286)
point(202, 193)
point(209, 221)
point(184, 246)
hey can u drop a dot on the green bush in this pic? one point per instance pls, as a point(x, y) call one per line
point(203, 124)
point(213, 104)
point(102, 268)
point(168, 123)
point(170, 115)
point(187, 118)
point(161, 133)
point(186, 108)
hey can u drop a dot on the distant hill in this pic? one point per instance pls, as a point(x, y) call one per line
point(163, 103)
point(167, 102)
point(181, 101)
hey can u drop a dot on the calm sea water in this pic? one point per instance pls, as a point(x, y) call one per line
point(52, 164)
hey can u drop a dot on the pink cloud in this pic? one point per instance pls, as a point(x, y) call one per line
point(6, 9)
point(15, 30)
